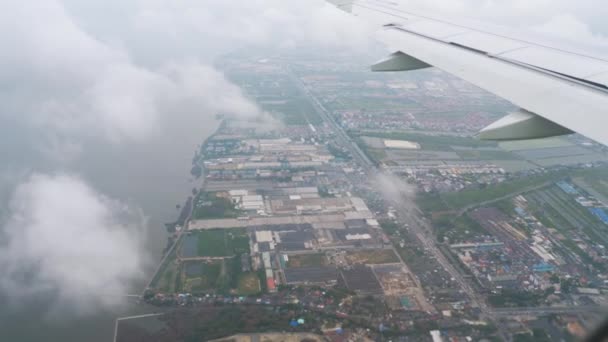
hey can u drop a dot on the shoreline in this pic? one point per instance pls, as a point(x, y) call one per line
point(176, 236)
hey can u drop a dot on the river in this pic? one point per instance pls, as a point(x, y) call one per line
point(153, 175)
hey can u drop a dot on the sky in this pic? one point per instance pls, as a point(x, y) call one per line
point(573, 24)
point(115, 73)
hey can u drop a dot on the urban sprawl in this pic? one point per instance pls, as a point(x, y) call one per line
point(367, 211)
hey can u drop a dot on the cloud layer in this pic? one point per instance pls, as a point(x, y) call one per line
point(119, 71)
point(580, 25)
point(115, 72)
point(65, 241)
point(69, 84)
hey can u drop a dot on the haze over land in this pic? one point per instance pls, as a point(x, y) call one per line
point(97, 98)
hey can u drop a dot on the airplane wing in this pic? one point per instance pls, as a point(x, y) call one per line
point(559, 91)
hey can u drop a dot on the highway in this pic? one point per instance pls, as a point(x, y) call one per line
point(359, 156)
point(540, 310)
point(406, 209)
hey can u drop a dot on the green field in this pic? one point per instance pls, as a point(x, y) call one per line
point(249, 284)
point(373, 104)
point(165, 278)
point(459, 229)
point(296, 111)
point(430, 203)
point(375, 154)
point(222, 242)
point(596, 183)
point(430, 142)
point(462, 199)
point(486, 155)
point(372, 257)
point(220, 276)
point(521, 145)
point(307, 260)
point(213, 277)
point(208, 205)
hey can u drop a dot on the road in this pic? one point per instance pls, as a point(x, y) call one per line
point(359, 156)
point(507, 196)
point(131, 317)
point(540, 310)
point(406, 209)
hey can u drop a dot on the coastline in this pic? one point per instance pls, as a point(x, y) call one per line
point(186, 212)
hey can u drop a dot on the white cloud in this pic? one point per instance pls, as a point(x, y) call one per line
point(393, 188)
point(523, 13)
point(210, 27)
point(118, 70)
point(568, 27)
point(65, 241)
point(108, 69)
point(70, 85)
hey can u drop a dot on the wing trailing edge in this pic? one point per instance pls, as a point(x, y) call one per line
point(560, 90)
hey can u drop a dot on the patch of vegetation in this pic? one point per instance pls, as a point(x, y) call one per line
point(511, 298)
point(324, 192)
point(599, 183)
point(222, 242)
point(571, 245)
point(537, 335)
point(262, 276)
point(295, 111)
point(164, 280)
point(486, 155)
point(307, 260)
point(462, 199)
point(431, 142)
point(208, 205)
point(167, 281)
point(389, 227)
point(518, 145)
point(338, 152)
point(221, 276)
point(249, 284)
point(212, 277)
point(431, 202)
point(374, 154)
point(506, 206)
point(413, 256)
point(372, 257)
point(229, 320)
point(459, 229)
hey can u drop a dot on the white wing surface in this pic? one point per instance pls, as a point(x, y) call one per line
point(559, 90)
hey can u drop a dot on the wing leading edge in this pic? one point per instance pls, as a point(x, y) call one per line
point(559, 91)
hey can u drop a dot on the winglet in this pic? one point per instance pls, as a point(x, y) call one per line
point(399, 61)
point(521, 125)
point(345, 5)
